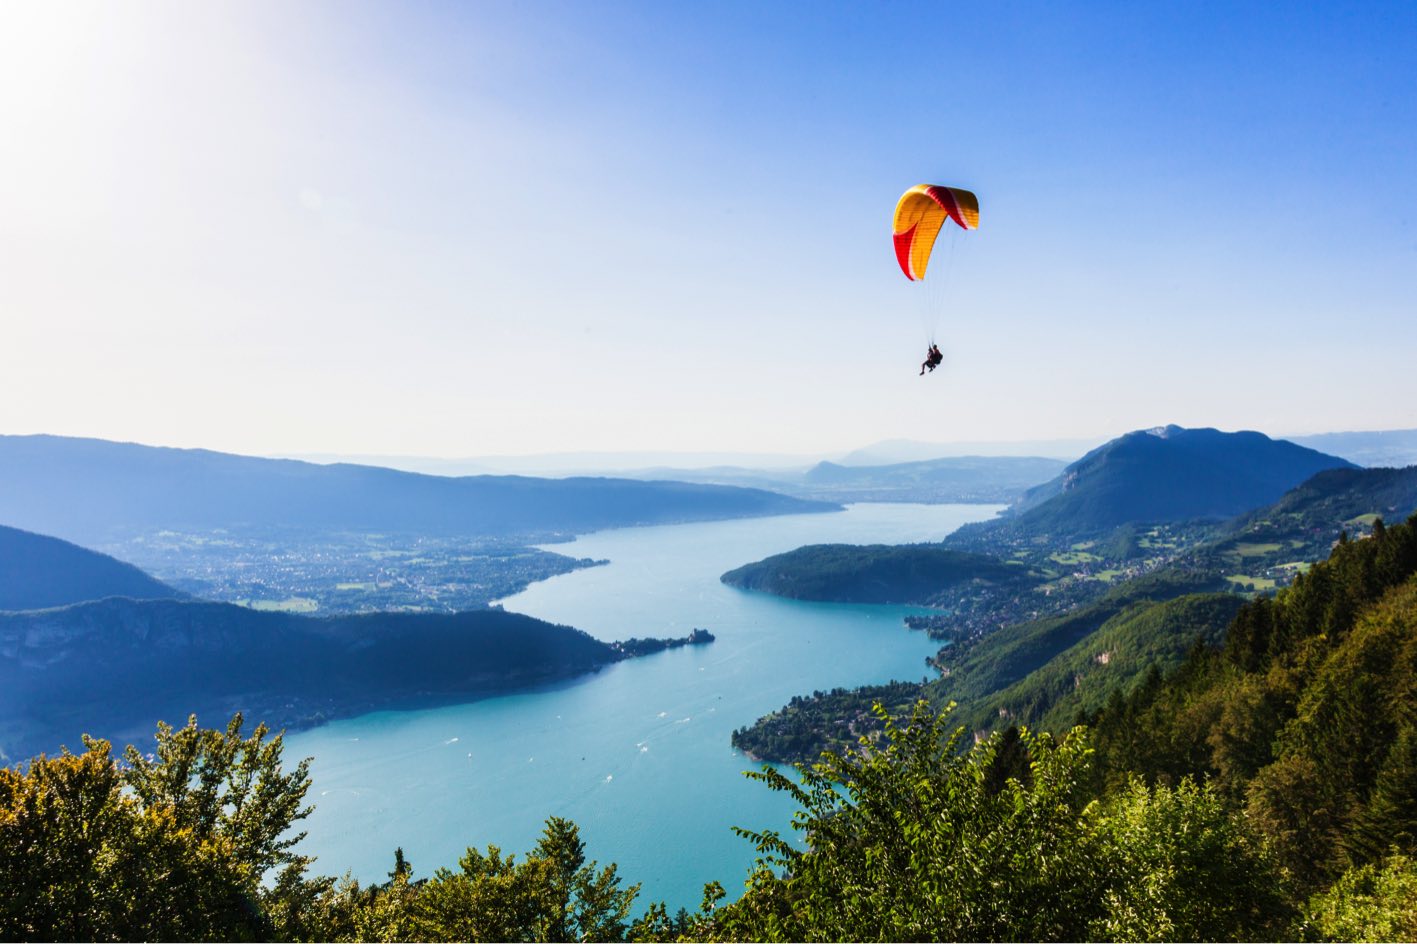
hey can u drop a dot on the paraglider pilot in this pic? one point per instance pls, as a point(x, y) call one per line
point(933, 359)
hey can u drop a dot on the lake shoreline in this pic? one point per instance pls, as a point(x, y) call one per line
point(640, 751)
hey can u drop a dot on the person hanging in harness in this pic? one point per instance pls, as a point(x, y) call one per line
point(933, 359)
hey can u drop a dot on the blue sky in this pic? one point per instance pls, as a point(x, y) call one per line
point(501, 228)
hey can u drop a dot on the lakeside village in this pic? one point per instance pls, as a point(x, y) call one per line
point(347, 572)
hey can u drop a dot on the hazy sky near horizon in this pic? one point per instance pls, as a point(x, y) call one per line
point(504, 228)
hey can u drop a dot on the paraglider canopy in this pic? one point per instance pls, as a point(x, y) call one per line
point(921, 212)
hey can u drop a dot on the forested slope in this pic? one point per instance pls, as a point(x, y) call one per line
point(1147, 636)
point(1306, 715)
point(37, 571)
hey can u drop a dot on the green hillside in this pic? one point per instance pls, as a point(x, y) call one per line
point(1305, 715)
point(1145, 637)
point(991, 663)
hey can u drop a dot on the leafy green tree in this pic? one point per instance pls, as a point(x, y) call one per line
point(1374, 902)
point(1180, 866)
point(554, 895)
point(81, 859)
point(914, 839)
point(917, 841)
point(219, 783)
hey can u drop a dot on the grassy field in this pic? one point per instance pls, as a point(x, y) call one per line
point(1157, 539)
point(289, 605)
point(1257, 583)
point(1256, 550)
point(1073, 557)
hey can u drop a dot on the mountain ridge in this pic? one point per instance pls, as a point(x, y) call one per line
point(38, 571)
point(90, 490)
point(1161, 475)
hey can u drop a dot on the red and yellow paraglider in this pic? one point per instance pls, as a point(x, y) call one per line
point(920, 214)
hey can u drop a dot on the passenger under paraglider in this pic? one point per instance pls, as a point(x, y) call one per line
point(933, 359)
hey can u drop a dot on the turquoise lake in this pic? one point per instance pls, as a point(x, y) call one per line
point(637, 754)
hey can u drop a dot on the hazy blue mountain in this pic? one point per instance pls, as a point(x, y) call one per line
point(133, 662)
point(92, 490)
point(956, 479)
point(565, 464)
point(895, 451)
point(1390, 448)
point(993, 479)
point(787, 481)
point(38, 571)
point(1168, 474)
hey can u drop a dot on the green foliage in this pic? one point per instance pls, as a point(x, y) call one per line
point(553, 894)
point(218, 783)
point(1375, 902)
point(83, 857)
point(1182, 867)
point(1277, 766)
point(917, 840)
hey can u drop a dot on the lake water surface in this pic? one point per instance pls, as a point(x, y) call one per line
point(637, 754)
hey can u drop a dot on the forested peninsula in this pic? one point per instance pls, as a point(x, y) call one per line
point(877, 573)
point(113, 667)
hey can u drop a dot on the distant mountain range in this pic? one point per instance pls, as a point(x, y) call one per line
point(1391, 448)
point(93, 491)
point(958, 479)
point(1163, 475)
point(894, 451)
point(37, 571)
point(1372, 449)
point(988, 479)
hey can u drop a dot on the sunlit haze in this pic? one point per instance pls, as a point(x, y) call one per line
point(516, 228)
